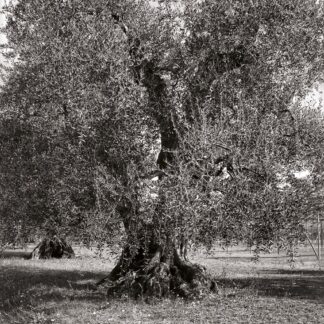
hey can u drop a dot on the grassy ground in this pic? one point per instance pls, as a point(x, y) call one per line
point(61, 291)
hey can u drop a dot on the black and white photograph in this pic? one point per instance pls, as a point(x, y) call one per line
point(161, 161)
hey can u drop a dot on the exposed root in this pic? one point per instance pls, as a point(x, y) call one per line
point(159, 278)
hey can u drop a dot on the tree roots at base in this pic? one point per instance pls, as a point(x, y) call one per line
point(157, 279)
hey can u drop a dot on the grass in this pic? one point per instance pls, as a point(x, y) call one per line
point(62, 291)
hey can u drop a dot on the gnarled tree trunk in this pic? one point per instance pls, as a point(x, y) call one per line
point(152, 266)
point(155, 269)
point(52, 248)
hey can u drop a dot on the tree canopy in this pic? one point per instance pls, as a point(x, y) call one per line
point(206, 95)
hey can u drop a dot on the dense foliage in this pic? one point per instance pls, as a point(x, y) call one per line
point(98, 88)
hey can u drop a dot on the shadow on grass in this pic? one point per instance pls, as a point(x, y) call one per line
point(294, 272)
point(13, 254)
point(251, 257)
point(24, 285)
point(303, 284)
point(28, 286)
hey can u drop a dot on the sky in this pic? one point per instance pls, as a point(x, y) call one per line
point(2, 23)
point(3, 38)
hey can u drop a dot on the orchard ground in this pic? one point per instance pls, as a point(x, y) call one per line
point(62, 291)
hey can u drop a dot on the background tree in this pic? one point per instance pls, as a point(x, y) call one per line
point(214, 88)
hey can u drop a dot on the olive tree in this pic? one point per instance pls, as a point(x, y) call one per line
point(205, 96)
